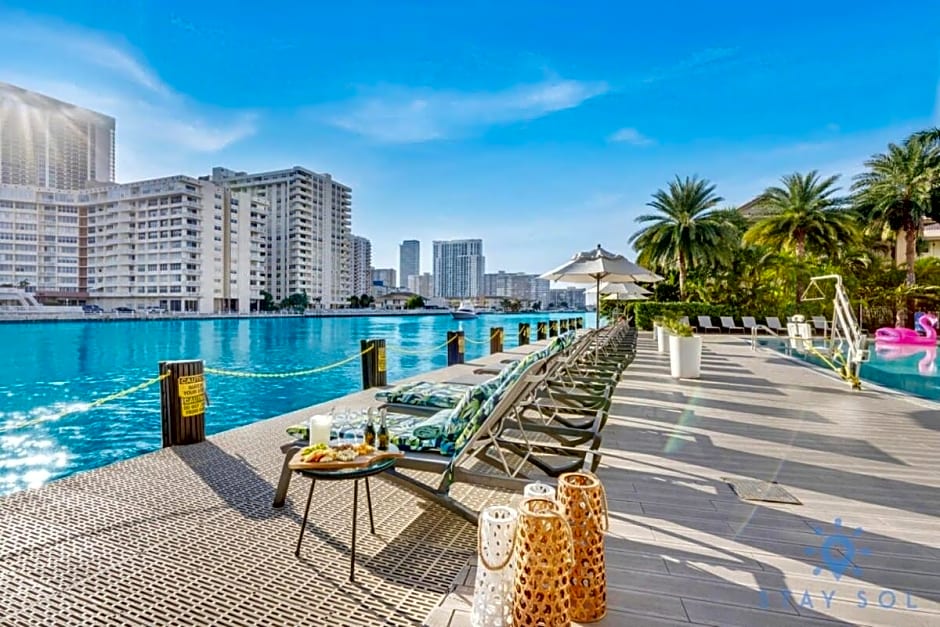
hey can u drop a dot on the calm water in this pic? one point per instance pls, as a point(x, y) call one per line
point(49, 368)
point(911, 369)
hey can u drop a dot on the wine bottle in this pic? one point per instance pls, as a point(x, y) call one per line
point(369, 435)
point(383, 433)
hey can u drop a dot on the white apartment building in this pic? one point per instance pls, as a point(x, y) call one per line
point(49, 143)
point(570, 297)
point(422, 284)
point(526, 288)
point(409, 260)
point(176, 243)
point(40, 248)
point(308, 228)
point(458, 268)
point(361, 263)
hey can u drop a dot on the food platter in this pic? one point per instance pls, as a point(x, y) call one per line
point(329, 458)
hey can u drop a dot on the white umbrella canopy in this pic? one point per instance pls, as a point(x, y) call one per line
point(592, 266)
point(624, 296)
point(626, 289)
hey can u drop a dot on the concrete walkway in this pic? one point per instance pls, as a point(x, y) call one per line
point(684, 548)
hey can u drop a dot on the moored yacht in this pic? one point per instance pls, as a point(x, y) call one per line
point(466, 311)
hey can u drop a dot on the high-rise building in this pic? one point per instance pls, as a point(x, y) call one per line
point(176, 243)
point(361, 266)
point(52, 144)
point(526, 288)
point(458, 268)
point(385, 278)
point(570, 297)
point(308, 229)
point(409, 260)
point(422, 284)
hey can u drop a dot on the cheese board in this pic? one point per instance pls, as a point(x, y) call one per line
point(340, 457)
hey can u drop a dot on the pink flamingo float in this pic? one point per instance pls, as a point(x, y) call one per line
point(910, 337)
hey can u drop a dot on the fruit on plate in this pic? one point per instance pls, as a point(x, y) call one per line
point(310, 449)
point(319, 456)
point(364, 449)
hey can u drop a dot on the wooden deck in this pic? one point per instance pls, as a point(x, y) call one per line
point(684, 548)
point(188, 537)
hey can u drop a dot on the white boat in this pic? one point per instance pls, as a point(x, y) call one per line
point(466, 311)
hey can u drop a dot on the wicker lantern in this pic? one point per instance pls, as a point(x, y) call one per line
point(542, 561)
point(582, 499)
point(492, 592)
point(539, 490)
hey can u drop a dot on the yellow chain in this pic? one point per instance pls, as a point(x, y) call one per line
point(493, 335)
point(422, 351)
point(92, 405)
point(297, 373)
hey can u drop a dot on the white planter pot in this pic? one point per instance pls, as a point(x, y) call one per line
point(662, 343)
point(685, 356)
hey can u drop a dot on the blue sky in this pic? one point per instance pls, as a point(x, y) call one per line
point(542, 127)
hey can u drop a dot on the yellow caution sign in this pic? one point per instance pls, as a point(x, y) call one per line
point(380, 358)
point(192, 393)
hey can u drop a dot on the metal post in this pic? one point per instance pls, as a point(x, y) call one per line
point(563, 326)
point(183, 402)
point(524, 333)
point(455, 347)
point(552, 328)
point(373, 363)
point(541, 331)
point(496, 340)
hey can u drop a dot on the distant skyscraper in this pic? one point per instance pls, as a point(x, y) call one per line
point(423, 285)
point(49, 143)
point(386, 277)
point(458, 268)
point(361, 266)
point(527, 288)
point(409, 260)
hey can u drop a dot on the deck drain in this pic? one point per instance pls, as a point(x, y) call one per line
point(757, 490)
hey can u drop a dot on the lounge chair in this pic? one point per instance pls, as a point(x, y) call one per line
point(489, 434)
point(727, 322)
point(750, 324)
point(821, 324)
point(705, 324)
point(685, 320)
point(773, 323)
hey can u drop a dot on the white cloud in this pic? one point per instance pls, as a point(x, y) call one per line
point(159, 131)
point(411, 115)
point(631, 136)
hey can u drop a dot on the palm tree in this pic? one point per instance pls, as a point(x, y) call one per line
point(685, 232)
point(803, 215)
point(901, 189)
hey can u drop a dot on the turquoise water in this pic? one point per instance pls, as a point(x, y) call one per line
point(50, 368)
point(911, 369)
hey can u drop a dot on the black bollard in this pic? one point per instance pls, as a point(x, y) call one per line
point(183, 402)
point(541, 331)
point(552, 328)
point(563, 326)
point(455, 347)
point(524, 333)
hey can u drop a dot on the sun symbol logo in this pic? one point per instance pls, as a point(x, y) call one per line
point(838, 550)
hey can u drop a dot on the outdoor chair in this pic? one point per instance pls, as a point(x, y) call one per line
point(821, 324)
point(705, 324)
point(685, 320)
point(727, 322)
point(480, 439)
point(773, 323)
point(750, 324)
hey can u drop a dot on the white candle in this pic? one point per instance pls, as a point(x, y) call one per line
point(320, 426)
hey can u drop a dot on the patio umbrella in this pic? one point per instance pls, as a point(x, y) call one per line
point(592, 266)
point(614, 291)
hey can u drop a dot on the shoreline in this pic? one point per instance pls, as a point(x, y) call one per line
point(337, 313)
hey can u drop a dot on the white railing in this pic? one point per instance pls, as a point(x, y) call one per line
point(845, 339)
